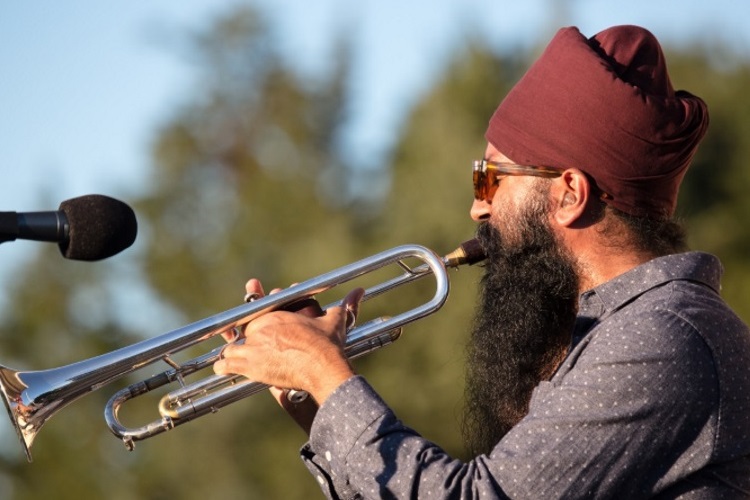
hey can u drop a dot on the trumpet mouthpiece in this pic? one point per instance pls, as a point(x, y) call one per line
point(469, 252)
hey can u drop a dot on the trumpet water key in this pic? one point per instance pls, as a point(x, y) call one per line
point(32, 397)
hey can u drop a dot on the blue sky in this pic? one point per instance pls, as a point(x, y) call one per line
point(84, 84)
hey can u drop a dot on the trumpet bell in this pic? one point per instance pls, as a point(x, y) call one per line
point(32, 397)
point(26, 419)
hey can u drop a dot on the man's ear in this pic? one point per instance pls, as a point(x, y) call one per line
point(570, 195)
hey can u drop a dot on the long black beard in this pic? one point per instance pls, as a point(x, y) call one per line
point(522, 329)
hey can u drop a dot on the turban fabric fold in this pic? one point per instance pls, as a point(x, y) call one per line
point(606, 106)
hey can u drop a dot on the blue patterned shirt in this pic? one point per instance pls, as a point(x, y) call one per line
point(653, 401)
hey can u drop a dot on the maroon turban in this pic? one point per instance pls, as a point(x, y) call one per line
point(606, 106)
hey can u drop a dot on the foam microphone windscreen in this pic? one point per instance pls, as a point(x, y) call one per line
point(100, 227)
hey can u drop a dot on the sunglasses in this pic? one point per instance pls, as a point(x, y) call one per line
point(487, 175)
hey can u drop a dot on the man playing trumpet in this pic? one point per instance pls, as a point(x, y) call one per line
point(603, 362)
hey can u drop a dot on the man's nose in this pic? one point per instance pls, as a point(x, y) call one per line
point(480, 210)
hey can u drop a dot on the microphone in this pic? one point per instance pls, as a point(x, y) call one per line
point(89, 228)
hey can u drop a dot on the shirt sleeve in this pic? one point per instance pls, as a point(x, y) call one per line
point(359, 449)
point(630, 413)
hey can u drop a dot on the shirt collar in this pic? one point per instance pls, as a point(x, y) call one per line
point(609, 296)
point(694, 266)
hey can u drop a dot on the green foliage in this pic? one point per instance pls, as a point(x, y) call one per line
point(238, 173)
point(713, 201)
point(248, 181)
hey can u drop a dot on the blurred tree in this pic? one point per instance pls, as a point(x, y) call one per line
point(240, 173)
point(713, 201)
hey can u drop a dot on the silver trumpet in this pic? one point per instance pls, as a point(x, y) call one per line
point(32, 397)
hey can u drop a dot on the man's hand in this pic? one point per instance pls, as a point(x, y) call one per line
point(291, 350)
